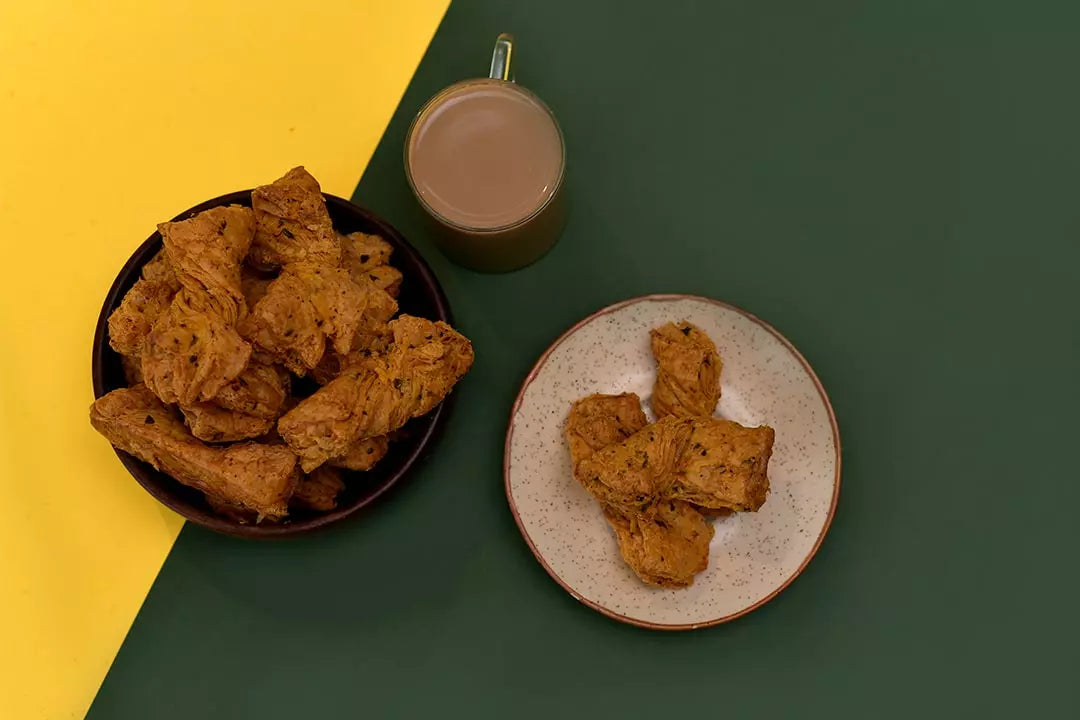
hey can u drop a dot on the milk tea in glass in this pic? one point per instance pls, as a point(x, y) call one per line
point(486, 160)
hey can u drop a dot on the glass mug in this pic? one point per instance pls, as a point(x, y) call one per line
point(486, 160)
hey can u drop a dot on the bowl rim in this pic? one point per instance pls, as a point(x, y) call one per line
point(432, 423)
point(538, 366)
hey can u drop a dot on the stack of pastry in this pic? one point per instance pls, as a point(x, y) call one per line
point(661, 484)
point(239, 304)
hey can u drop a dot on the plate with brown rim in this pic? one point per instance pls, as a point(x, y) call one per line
point(752, 556)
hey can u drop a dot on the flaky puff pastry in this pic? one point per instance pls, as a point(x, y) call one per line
point(725, 465)
point(709, 462)
point(638, 471)
point(192, 352)
point(205, 252)
point(292, 223)
point(378, 396)
point(310, 306)
point(367, 258)
point(143, 304)
point(599, 420)
point(250, 476)
point(193, 348)
point(666, 544)
point(687, 371)
point(248, 407)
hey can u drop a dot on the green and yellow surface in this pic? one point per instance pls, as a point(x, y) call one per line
point(893, 185)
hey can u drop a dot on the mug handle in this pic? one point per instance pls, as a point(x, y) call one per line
point(500, 58)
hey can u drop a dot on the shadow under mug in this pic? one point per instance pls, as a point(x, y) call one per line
point(520, 241)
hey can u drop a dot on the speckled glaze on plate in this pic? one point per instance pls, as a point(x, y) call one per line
point(753, 556)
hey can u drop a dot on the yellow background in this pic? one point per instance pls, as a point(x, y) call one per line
point(113, 117)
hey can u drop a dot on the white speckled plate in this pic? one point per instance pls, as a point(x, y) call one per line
point(753, 556)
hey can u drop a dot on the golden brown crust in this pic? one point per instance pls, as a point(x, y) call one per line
point(211, 423)
point(367, 258)
point(666, 544)
point(709, 462)
point(387, 278)
point(687, 371)
point(362, 251)
point(638, 471)
point(248, 407)
point(309, 304)
point(596, 421)
point(252, 476)
point(205, 252)
point(381, 394)
point(143, 304)
point(260, 390)
point(725, 465)
point(365, 344)
point(292, 223)
point(193, 348)
point(192, 353)
point(159, 269)
point(130, 323)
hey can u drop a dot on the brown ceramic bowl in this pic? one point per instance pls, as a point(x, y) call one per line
point(421, 295)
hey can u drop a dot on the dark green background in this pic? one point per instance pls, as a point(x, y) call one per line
point(893, 185)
